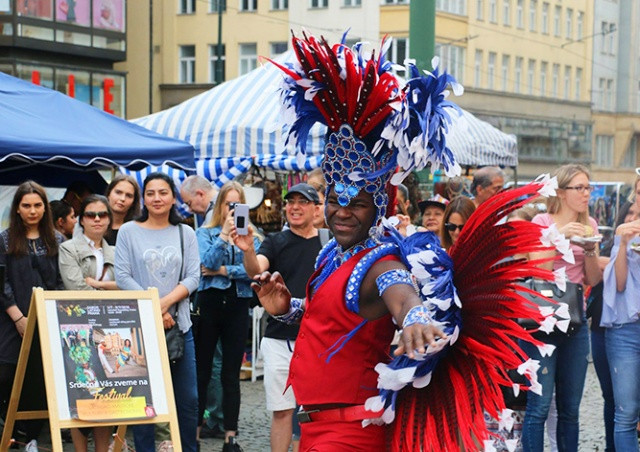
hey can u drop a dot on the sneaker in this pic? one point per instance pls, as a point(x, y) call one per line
point(32, 446)
point(165, 446)
point(232, 445)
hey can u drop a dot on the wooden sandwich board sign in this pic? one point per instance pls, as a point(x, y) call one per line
point(105, 362)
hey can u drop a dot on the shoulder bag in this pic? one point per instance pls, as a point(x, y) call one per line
point(175, 337)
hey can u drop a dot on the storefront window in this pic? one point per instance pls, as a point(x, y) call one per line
point(103, 42)
point(108, 93)
point(33, 32)
point(77, 12)
point(6, 68)
point(40, 9)
point(70, 37)
point(5, 6)
point(109, 14)
point(40, 75)
point(75, 84)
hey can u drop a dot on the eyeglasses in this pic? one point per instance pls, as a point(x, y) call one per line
point(581, 188)
point(303, 202)
point(452, 226)
point(102, 214)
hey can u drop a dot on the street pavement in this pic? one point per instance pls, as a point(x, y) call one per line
point(254, 420)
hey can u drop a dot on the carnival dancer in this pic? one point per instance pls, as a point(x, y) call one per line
point(363, 284)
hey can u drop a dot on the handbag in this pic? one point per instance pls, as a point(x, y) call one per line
point(173, 336)
point(573, 296)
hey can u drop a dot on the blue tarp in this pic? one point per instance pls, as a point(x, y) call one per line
point(39, 125)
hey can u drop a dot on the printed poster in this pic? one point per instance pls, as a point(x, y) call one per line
point(105, 364)
point(73, 11)
point(108, 14)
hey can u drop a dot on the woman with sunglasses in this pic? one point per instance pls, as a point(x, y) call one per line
point(456, 215)
point(29, 252)
point(157, 251)
point(86, 263)
point(565, 369)
point(223, 299)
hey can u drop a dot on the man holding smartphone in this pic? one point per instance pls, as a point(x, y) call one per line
point(291, 252)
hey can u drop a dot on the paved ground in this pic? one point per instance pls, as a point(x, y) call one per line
point(254, 419)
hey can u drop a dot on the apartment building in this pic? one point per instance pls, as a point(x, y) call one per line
point(616, 89)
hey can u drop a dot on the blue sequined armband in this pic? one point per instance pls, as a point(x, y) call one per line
point(296, 311)
point(417, 314)
point(391, 278)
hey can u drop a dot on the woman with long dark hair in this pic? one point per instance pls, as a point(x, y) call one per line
point(29, 252)
point(456, 215)
point(223, 298)
point(123, 194)
point(157, 251)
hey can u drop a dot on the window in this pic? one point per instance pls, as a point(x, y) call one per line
point(506, 12)
point(518, 75)
point(578, 83)
point(479, 9)
point(604, 27)
point(544, 67)
point(324, 3)
point(248, 58)
point(520, 14)
point(555, 74)
point(545, 18)
point(568, 28)
point(602, 85)
point(630, 158)
point(214, 4)
point(187, 64)
point(579, 26)
point(399, 52)
point(399, 2)
point(213, 66)
point(248, 5)
point(611, 39)
point(186, 6)
point(531, 74)
point(604, 150)
point(477, 69)
point(493, 11)
point(351, 3)
point(458, 7)
point(452, 59)
point(491, 69)
point(277, 48)
point(279, 4)
point(609, 104)
point(505, 72)
point(533, 7)
point(556, 20)
point(567, 82)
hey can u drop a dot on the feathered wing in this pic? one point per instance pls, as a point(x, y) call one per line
point(439, 399)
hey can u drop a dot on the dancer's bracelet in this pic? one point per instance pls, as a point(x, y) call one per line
point(295, 313)
point(417, 314)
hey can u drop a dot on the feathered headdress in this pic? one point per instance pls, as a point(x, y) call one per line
point(375, 122)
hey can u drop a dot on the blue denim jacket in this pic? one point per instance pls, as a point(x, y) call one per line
point(214, 253)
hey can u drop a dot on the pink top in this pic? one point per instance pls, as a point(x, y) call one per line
point(575, 272)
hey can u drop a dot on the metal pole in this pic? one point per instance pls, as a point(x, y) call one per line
point(422, 32)
point(150, 56)
point(219, 74)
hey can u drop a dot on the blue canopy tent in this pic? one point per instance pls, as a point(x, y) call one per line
point(235, 125)
point(54, 139)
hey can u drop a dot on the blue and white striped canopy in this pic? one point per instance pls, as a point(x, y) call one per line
point(236, 124)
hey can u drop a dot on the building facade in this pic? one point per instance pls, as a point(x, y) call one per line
point(67, 46)
point(616, 89)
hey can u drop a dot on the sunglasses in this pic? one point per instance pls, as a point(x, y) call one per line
point(452, 226)
point(102, 214)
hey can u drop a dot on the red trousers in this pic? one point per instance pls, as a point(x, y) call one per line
point(327, 436)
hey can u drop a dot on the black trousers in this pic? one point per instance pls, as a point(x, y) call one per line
point(225, 317)
point(33, 395)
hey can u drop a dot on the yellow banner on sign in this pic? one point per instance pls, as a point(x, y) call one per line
point(108, 409)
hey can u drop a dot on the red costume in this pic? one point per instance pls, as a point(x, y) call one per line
point(349, 376)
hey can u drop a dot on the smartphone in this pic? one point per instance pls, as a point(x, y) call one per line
point(241, 218)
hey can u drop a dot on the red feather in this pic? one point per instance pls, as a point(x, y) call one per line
point(466, 383)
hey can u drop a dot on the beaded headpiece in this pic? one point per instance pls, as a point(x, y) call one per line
point(376, 123)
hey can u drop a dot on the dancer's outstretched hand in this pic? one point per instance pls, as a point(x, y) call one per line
point(272, 292)
point(418, 337)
